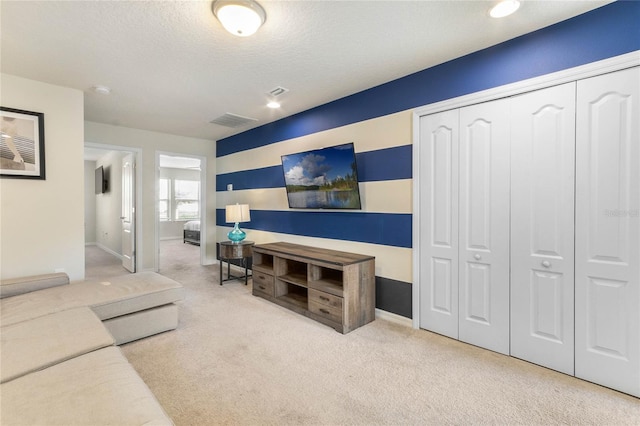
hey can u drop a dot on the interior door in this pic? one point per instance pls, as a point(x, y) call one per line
point(484, 225)
point(542, 227)
point(608, 230)
point(128, 217)
point(439, 223)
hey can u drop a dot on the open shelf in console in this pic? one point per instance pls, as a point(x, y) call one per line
point(263, 262)
point(292, 271)
point(292, 293)
point(326, 279)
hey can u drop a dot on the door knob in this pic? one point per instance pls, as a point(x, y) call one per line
point(477, 256)
point(546, 263)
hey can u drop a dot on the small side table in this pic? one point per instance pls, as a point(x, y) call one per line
point(230, 250)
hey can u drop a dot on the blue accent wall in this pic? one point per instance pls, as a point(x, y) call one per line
point(385, 164)
point(375, 228)
point(394, 296)
point(266, 177)
point(372, 166)
point(605, 32)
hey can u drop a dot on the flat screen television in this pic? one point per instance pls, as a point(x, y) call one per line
point(100, 181)
point(324, 178)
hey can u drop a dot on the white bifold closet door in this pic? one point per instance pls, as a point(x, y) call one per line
point(542, 227)
point(484, 226)
point(465, 224)
point(439, 223)
point(608, 230)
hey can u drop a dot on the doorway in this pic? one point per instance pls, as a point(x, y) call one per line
point(111, 186)
point(180, 201)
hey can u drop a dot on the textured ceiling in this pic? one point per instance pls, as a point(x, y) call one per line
point(172, 68)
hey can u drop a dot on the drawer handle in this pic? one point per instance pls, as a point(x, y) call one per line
point(262, 287)
point(324, 311)
point(324, 298)
point(477, 257)
point(261, 277)
point(546, 263)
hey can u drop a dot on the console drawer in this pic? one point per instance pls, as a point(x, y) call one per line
point(325, 299)
point(329, 312)
point(263, 283)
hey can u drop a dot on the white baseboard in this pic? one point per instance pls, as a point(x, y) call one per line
point(108, 250)
point(398, 319)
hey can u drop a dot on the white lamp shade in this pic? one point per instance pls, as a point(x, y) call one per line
point(237, 213)
point(239, 17)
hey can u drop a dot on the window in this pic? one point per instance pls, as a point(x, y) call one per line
point(187, 199)
point(179, 199)
point(163, 208)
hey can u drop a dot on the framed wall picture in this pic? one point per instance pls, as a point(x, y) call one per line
point(21, 144)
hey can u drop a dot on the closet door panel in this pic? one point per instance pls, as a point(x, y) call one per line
point(608, 230)
point(542, 227)
point(484, 226)
point(439, 223)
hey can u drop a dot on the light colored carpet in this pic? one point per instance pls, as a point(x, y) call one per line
point(238, 359)
point(100, 264)
point(174, 255)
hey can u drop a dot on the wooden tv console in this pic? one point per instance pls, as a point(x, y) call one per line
point(332, 287)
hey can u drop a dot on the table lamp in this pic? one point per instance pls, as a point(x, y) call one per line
point(237, 213)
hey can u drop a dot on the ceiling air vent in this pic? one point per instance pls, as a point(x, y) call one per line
point(232, 120)
point(277, 91)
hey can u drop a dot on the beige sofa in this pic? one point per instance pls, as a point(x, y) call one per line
point(59, 363)
point(131, 306)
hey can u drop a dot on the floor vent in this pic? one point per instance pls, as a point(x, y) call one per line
point(232, 120)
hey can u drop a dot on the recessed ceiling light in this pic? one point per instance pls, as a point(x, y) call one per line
point(504, 8)
point(103, 90)
point(273, 104)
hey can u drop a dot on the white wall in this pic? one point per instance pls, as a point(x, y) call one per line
point(150, 142)
point(109, 204)
point(172, 230)
point(89, 202)
point(42, 221)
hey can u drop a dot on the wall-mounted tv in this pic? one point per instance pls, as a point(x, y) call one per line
point(101, 181)
point(324, 178)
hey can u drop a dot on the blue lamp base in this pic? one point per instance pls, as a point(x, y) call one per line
point(236, 234)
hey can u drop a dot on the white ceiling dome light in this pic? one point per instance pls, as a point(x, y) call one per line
point(239, 17)
point(504, 8)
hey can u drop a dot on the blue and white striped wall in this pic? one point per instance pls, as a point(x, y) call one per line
point(378, 122)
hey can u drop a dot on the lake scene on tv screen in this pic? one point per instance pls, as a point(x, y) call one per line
point(322, 179)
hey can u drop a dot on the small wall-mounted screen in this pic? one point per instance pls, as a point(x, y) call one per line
point(324, 178)
point(101, 185)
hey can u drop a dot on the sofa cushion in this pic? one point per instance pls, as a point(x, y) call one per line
point(127, 328)
point(14, 286)
point(45, 341)
point(108, 299)
point(98, 388)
